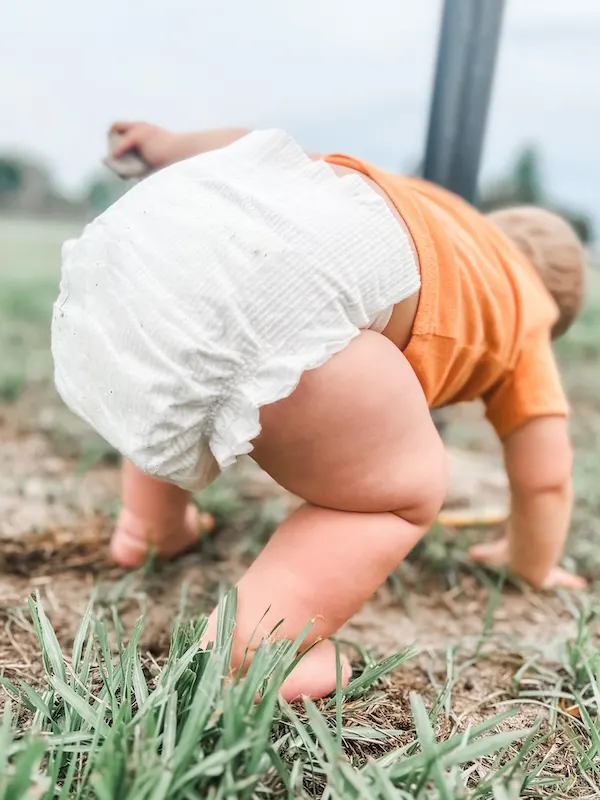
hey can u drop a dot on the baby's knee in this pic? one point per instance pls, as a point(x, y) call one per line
point(428, 484)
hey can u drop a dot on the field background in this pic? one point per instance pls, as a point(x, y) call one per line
point(482, 645)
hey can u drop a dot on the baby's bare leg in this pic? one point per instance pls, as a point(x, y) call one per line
point(156, 516)
point(356, 441)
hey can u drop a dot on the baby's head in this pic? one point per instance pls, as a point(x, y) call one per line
point(552, 246)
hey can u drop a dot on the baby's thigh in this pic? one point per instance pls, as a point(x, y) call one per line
point(356, 435)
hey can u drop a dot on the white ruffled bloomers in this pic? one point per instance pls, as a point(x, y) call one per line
point(207, 290)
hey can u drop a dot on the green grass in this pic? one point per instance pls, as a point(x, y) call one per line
point(579, 357)
point(582, 342)
point(29, 281)
point(107, 723)
point(29, 275)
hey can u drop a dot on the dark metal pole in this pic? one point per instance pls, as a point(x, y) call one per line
point(466, 60)
point(468, 46)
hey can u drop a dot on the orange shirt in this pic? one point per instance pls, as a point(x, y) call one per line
point(482, 328)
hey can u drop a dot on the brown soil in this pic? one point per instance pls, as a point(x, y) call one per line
point(54, 529)
point(54, 534)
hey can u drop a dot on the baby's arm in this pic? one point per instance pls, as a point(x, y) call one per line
point(529, 411)
point(538, 458)
point(159, 147)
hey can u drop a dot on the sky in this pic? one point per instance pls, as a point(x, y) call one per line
point(341, 75)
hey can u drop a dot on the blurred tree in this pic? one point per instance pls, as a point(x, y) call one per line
point(527, 177)
point(582, 224)
point(102, 191)
point(11, 176)
point(524, 185)
point(26, 187)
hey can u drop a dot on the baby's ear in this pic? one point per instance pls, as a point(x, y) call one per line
point(129, 166)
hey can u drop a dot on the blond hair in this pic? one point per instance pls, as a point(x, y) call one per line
point(554, 249)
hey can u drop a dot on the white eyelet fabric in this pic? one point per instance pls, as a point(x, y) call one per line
point(209, 288)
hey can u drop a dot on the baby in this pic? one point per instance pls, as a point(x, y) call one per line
point(250, 298)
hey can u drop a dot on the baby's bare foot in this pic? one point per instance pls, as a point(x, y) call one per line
point(134, 538)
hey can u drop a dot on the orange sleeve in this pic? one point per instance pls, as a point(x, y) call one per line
point(532, 389)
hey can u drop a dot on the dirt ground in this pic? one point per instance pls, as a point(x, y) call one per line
point(55, 525)
point(483, 650)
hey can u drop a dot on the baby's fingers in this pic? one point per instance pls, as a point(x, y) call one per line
point(126, 141)
point(560, 578)
point(123, 127)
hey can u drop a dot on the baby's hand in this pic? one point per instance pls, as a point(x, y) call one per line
point(154, 144)
point(496, 554)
